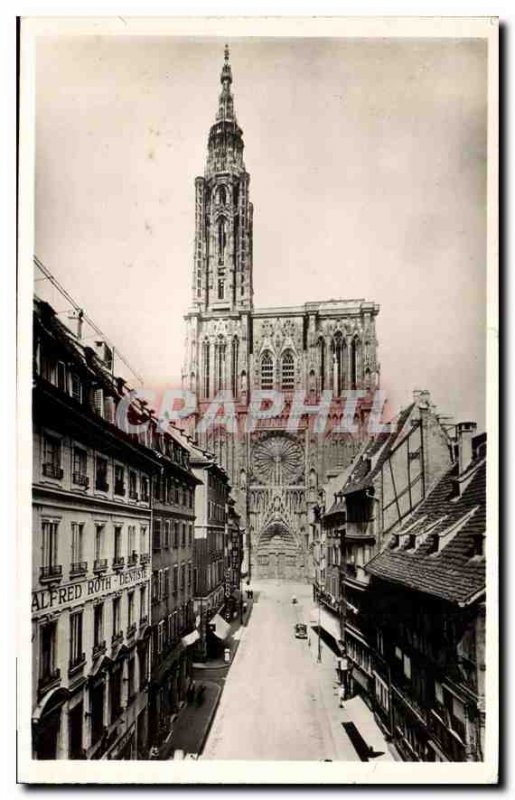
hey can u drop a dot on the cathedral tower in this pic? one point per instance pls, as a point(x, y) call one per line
point(222, 279)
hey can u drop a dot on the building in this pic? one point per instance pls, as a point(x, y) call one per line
point(172, 614)
point(90, 572)
point(428, 590)
point(387, 481)
point(234, 347)
point(101, 490)
point(234, 554)
point(209, 549)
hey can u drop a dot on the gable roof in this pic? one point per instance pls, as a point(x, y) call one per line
point(451, 573)
point(375, 453)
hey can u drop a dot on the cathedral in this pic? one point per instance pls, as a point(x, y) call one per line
point(233, 346)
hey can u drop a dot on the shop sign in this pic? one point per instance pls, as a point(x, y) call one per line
point(59, 596)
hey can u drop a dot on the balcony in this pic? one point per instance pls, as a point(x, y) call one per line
point(52, 572)
point(118, 562)
point(99, 648)
point(131, 630)
point(49, 680)
point(80, 479)
point(143, 620)
point(78, 568)
point(144, 558)
point(117, 638)
point(132, 559)
point(133, 495)
point(51, 470)
point(101, 485)
point(100, 565)
point(119, 488)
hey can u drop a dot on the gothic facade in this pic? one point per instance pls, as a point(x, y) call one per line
point(234, 347)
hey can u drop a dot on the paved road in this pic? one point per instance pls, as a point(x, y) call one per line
point(278, 702)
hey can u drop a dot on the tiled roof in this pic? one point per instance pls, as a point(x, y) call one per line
point(380, 446)
point(453, 572)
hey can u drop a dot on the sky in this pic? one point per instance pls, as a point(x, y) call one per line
point(367, 160)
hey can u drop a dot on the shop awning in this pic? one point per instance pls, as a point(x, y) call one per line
point(221, 627)
point(190, 638)
point(330, 623)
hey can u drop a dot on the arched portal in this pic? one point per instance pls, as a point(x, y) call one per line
point(279, 555)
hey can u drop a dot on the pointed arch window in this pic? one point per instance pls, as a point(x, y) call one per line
point(206, 366)
point(321, 345)
point(222, 239)
point(354, 362)
point(234, 366)
point(219, 365)
point(338, 353)
point(287, 371)
point(267, 370)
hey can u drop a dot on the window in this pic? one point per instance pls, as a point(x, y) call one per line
point(190, 535)
point(76, 388)
point(119, 484)
point(175, 579)
point(176, 534)
point(52, 457)
point(143, 603)
point(407, 666)
point(143, 548)
point(166, 582)
point(117, 542)
point(76, 654)
point(50, 548)
point(133, 485)
point(321, 346)
point(101, 474)
point(116, 616)
point(130, 608)
point(144, 488)
point(234, 366)
point(287, 371)
point(115, 691)
point(130, 677)
point(98, 624)
point(48, 642)
point(160, 636)
point(80, 466)
point(156, 535)
point(183, 577)
point(155, 586)
point(206, 367)
point(61, 376)
point(131, 544)
point(99, 542)
point(77, 543)
point(267, 371)
point(166, 534)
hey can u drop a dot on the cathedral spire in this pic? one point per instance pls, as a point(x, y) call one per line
point(226, 102)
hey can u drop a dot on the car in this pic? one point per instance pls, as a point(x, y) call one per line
point(301, 630)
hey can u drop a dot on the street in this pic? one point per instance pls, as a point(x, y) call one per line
point(279, 703)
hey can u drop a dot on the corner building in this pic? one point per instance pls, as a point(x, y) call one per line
point(233, 346)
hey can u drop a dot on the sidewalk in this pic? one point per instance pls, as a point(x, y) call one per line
point(356, 734)
point(191, 727)
point(232, 641)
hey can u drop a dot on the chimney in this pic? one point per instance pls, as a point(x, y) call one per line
point(464, 433)
point(422, 397)
point(76, 322)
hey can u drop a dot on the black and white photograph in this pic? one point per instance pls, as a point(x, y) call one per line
point(257, 390)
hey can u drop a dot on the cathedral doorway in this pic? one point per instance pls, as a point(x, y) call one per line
point(279, 556)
